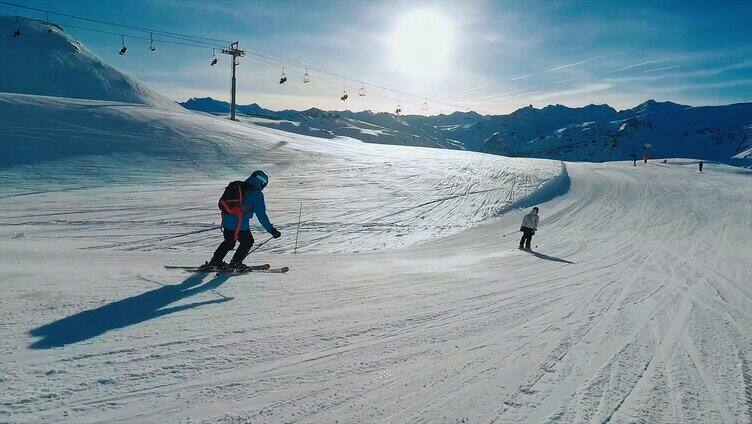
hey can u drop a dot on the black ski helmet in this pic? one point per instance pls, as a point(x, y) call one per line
point(258, 180)
point(535, 209)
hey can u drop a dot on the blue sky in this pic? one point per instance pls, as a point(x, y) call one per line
point(493, 57)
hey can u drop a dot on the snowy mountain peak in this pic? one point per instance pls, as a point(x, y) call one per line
point(652, 106)
point(65, 69)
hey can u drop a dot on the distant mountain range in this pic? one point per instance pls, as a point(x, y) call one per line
point(589, 133)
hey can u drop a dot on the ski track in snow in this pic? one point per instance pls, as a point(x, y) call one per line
point(650, 322)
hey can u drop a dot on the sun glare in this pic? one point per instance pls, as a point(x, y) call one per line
point(422, 43)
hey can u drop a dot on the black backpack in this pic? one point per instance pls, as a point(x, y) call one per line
point(232, 197)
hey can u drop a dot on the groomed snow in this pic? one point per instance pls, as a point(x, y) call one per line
point(635, 307)
point(95, 159)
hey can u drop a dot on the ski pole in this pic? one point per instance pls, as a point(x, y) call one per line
point(187, 234)
point(509, 234)
point(297, 232)
point(263, 243)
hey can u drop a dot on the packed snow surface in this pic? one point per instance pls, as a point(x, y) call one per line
point(355, 196)
point(634, 306)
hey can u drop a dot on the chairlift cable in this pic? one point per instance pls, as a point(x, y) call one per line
point(204, 42)
point(68, 15)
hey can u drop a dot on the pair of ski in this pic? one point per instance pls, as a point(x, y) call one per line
point(246, 270)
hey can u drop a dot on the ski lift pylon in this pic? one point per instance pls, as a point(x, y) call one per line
point(306, 77)
point(362, 91)
point(17, 32)
point(344, 95)
point(283, 78)
point(47, 19)
point(214, 59)
point(123, 48)
point(151, 42)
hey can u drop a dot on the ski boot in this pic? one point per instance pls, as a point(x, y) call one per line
point(211, 267)
point(241, 267)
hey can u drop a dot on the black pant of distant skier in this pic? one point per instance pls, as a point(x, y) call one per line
point(527, 237)
point(701, 166)
point(246, 242)
point(528, 227)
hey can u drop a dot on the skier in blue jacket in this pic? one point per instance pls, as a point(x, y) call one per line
point(240, 201)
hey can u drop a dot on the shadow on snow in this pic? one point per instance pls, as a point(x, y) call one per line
point(122, 313)
point(549, 258)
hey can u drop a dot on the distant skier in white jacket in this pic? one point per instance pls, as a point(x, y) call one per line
point(529, 225)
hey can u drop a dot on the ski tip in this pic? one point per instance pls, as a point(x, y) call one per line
point(284, 269)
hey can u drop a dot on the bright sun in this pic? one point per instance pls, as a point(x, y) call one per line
point(422, 43)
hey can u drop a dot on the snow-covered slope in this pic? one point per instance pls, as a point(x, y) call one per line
point(46, 61)
point(634, 307)
point(391, 195)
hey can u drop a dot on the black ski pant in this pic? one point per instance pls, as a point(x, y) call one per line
point(246, 241)
point(527, 237)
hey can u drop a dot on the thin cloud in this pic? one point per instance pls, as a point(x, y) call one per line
point(665, 68)
point(588, 88)
point(638, 64)
point(565, 66)
point(613, 54)
point(521, 77)
point(522, 94)
point(456, 93)
point(566, 81)
point(706, 85)
point(493, 96)
point(530, 93)
point(708, 72)
point(569, 65)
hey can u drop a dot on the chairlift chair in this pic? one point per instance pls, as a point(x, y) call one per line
point(344, 95)
point(306, 77)
point(283, 78)
point(151, 43)
point(424, 106)
point(362, 91)
point(47, 18)
point(399, 109)
point(214, 59)
point(123, 48)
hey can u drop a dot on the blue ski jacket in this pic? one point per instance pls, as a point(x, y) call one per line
point(253, 202)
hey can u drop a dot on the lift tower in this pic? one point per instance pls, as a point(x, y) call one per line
point(235, 52)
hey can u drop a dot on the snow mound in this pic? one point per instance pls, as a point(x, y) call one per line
point(357, 196)
point(44, 60)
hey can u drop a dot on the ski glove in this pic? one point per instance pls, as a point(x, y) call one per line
point(275, 233)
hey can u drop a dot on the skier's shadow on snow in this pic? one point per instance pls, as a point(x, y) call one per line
point(549, 258)
point(122, 313)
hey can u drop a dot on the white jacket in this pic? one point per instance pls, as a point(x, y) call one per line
point(530, 220)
